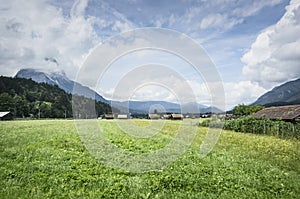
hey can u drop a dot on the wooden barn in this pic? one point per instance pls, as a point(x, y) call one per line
point(6, 115)
point(287, 113)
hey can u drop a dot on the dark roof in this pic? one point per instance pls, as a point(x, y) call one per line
point(280, 112)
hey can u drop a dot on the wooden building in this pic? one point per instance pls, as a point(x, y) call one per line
point(287, 113)
point(176, 116)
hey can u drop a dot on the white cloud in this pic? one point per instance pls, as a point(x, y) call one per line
point(274, 57)
point(33, 30)
point(219, 21)
point(253, 7)
point(235, 92)
point(220, 15)
point(242, 92)
point(78, 8)
point(119, 26)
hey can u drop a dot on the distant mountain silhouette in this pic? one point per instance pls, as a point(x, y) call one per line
point(162, 106)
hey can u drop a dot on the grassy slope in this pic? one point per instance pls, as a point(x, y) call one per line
point(40, 159)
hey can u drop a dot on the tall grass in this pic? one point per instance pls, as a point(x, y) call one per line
point(46, 159)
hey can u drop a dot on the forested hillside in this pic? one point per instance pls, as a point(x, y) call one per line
point(284, 94)
point(26, 98)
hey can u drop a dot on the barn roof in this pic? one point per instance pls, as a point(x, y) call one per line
point(2, 114)
point(280, 112)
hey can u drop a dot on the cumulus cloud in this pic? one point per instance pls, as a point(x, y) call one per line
point(245, 92)
point(274, 57)
point(235, 92)
point(34, 30)
point(242, 92)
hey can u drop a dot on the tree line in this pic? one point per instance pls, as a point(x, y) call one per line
point(27, 98)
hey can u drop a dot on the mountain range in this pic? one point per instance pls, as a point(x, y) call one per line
point(284, 94)
point(162, 106)
point(62, 81)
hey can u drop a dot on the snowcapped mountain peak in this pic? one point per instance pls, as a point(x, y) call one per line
point(27, 72)
point(59, 78)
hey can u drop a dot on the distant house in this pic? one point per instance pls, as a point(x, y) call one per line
point(192, 115)
point(109, 116)
point(286, 113)
point(176, 116)
point(6, 115)
point(153, 116)
point(167, 116)
point(122, 116)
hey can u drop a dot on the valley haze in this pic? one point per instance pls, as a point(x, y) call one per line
point(61, 80)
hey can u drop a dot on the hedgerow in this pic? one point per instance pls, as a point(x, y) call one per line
point(258, 126)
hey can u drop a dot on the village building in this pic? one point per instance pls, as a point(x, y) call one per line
point(167, 116)
point(176, 116)
point(122, 116)
point(109, 116)
point(153, 116)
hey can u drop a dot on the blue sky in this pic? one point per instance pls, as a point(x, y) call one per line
point(254, 44)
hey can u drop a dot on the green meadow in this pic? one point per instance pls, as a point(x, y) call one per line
point(46, 159)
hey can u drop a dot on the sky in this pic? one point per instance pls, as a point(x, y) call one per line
point(254, 45)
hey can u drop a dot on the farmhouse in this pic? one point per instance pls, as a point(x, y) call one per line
point(6, 115)
point(176, 116)
point(286, 113)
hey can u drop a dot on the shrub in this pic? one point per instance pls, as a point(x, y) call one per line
point(259, 126)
